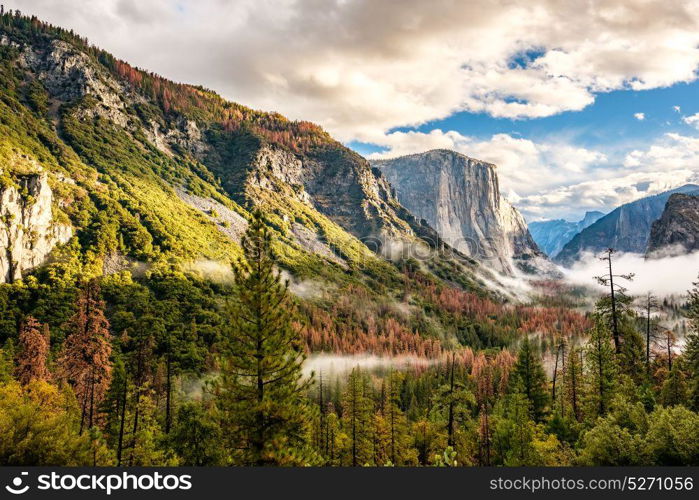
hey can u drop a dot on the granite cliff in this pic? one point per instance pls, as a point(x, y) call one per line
point(460, 197)
point(28, 232)
point(677, 230)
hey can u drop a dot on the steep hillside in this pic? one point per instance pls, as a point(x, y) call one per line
point(460, 197)
point(147, 186)
point(552, 235)
point(177, 168)
point(677, 230)
point(626, 228)
point(115, 174)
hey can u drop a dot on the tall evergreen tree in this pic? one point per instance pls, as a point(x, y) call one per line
point(454, 401)
point(399, 450)
point(601, 368)
point(529, 378)
point(357, 409)
point(616, 299)
point(691, 351)
point(573, 383)
point(649, 305)
point(260, 394)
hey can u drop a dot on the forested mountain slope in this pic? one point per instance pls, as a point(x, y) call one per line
point(144, 179)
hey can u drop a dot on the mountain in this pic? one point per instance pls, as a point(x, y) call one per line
point(552, 235)
point(460, 197)
point(138, 169)
point(626, 228)
point(677, 230)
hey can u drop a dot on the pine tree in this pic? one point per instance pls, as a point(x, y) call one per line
point(85, 361)
point(601, 369)
point(398, 442)
point(631, 359)
point(260, 394)
point(356, 418)
point(333, 431)
point(514, 430)
point(114, 406)
point(650, 304)
point(454, 400)
point(674, 390)
point(573, 382)
point(31, 360)
point(691, 351)
point(529, 378)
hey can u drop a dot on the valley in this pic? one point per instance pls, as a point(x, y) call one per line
point(188, 281)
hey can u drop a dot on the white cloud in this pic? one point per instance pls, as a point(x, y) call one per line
point(677, 273)
point(692, 120)
point(557, 179)
point(639, 116)
point(361, 67)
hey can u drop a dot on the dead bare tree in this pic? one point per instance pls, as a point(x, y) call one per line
point(616, 291)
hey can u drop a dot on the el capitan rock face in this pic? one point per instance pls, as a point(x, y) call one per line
point(460, 197)
point(677, 230)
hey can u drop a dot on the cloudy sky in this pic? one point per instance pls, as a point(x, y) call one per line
point(582, 104)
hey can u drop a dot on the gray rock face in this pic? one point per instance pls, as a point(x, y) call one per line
point(552, 235)
point(69, 74)
point(626, 228)
point(460, 197)
point(677, 230)
point(28, 233)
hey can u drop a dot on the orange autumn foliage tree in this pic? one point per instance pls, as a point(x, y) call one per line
point(31, 361)
point(85, 361)
point(518, 319)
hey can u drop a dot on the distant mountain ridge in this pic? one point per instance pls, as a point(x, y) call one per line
point(552, 235)
point(626, 228)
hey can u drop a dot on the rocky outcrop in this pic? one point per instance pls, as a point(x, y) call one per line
point(552, 235)
point(68, 74)
point(344, 187)
point(28, 232)
point(677, 230)
point(331, 178)
point(626, 228)
point(460, 197)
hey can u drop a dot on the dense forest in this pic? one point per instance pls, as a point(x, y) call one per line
point(142, 388)
point(124, 349)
